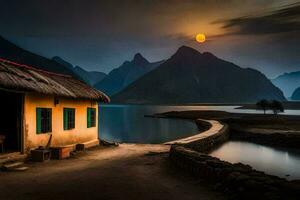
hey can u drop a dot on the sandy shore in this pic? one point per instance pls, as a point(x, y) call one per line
point(130, 171)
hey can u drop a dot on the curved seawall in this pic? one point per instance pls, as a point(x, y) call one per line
point(236, 180)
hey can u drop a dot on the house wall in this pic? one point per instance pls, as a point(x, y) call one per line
point(60, 137)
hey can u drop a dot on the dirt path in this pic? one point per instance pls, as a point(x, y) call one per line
point(125, 172)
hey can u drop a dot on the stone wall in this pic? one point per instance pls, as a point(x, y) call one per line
point(278, 139)
point(208, 143)
point(203, 125)
point(238, 181)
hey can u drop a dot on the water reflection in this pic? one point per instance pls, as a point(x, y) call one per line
point(279, 162)
point(128, 124)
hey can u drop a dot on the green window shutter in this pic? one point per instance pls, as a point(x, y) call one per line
point(66, 118)
point(88, 117)
point(38, 120)
point(50, 120)
point(73, 118)
point(93, 117)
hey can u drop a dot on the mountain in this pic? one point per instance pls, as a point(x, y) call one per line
point(296, 94)
point(193, 77)
point(63, 62)
point(14, 53)
point(127, 73)
point(90, 77)
point(288, 82)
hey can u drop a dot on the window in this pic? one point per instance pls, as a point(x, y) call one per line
point(69, 118)
point(91, 117)
point(43, 120)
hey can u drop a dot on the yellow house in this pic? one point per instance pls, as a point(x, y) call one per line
point(35, 104)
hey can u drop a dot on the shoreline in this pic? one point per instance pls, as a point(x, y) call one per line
point(154, 169)
point(288, 105)
point(190, 154)
point(272, 130)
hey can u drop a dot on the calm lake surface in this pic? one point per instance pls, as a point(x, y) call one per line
point(275, 161)
point(126, 123)
point(123, 123)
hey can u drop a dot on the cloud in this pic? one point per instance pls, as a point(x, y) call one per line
point(284, 20)
point(100, 35)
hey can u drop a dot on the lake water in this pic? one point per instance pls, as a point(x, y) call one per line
point(275, 161)
point(126, 123)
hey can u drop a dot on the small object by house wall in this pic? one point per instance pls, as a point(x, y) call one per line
point(60, 137)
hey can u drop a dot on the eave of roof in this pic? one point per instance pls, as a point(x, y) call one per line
point(20, 77)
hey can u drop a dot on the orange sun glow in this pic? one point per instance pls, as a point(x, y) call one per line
point(200, 38)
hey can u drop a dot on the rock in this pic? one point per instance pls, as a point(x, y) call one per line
point(241, 189)
point(232, 177)
point(20, 169)
point(106, 143)
point(250, 184)
point(238, 181)
point(215, 163)
point(242, 178)
point(271, 196)
point(11, 166)
point(263, 179)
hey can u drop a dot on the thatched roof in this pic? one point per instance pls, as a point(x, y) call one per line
point(24, 78)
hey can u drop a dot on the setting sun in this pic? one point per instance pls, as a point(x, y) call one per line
point(200, 38)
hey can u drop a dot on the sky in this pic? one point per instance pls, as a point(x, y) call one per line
point(101, 35)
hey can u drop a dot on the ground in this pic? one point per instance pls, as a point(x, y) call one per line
point(268, 122)
point(130, 171)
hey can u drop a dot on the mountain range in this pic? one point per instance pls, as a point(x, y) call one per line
point(90, 77)
point(296, 94)
point(193, 77)
point(288, 82)
point(14, 53)
point(127, 73)
point(116, 80)
point(187, 77)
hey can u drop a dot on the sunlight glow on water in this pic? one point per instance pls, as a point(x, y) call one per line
point(279, 161)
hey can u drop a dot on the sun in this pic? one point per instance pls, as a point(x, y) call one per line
point(200, 38)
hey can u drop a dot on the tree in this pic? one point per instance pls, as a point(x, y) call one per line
point(276, 106)
point(263, 105)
